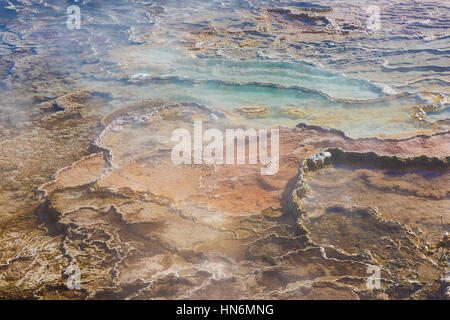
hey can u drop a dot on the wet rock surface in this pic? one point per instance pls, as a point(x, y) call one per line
point(87, 179)
point(141, 227)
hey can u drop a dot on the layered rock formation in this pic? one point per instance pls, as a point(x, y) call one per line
point(139, 226)
point(87, 179)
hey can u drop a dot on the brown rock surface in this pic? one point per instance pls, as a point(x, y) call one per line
point(142, 227)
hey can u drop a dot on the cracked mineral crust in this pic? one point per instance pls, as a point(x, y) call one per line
point(139, 226)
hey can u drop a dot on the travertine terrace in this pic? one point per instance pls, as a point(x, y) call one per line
point(87, 179)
